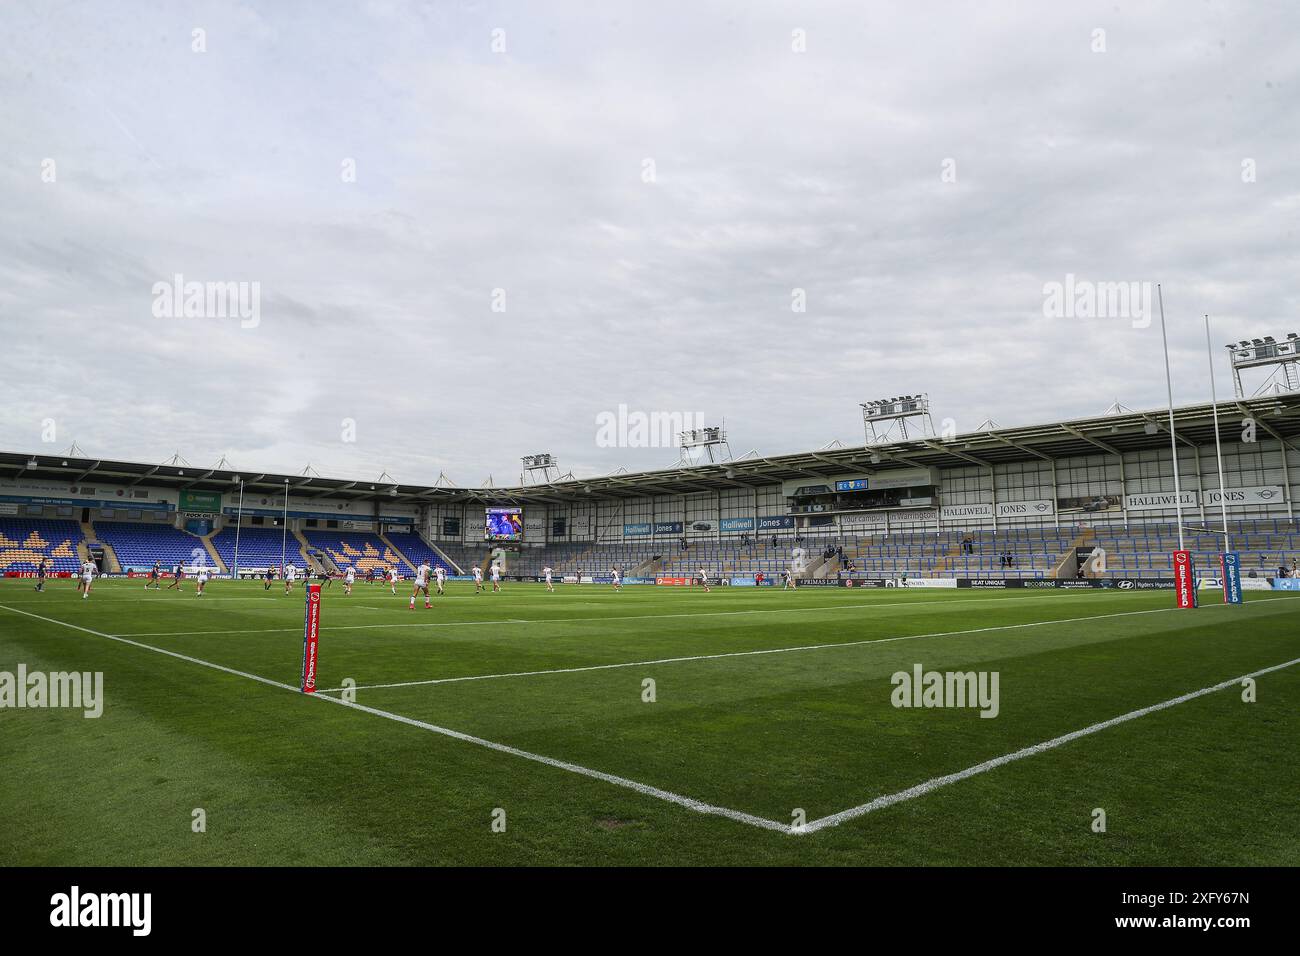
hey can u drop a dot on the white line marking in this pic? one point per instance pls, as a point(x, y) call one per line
point(921, 789)
point(738, 816)
point(591, 620)
point(645, 789)
point(770, 650)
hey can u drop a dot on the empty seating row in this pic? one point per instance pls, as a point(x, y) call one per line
point(26, 542)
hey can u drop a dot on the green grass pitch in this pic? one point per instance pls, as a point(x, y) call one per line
point(526, 724)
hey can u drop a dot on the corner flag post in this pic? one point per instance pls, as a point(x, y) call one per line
point(310, 638)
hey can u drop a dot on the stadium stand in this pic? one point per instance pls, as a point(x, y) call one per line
point(1265, 544)
point(259, 548)
point(1025, 553)
point(138, 545)
point(24, 542)
point(416, 549)
point(358, 549)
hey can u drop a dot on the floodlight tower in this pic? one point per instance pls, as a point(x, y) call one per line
point(539, 469)
point(708, 443)
point(1283, 356)
point(887, 418)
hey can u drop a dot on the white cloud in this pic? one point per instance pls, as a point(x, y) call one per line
point(523, 171)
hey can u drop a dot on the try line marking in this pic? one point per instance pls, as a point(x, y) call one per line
point(600, 620)
point(642, 788)
point(770, 650)
point(690, 803)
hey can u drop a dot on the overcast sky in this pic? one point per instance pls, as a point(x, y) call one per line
point(650, 185)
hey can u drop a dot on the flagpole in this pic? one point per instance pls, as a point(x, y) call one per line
point(239, 518)
point(1218, 449)
point(284, 534)
point(1173, 438)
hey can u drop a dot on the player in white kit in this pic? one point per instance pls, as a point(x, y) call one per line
point(440, 577)
point(496, 578)
point(550, 585)
point(421, 584)
point(618, 581)
point(704, 579)
point(87, 578)
point(349, 579)
point(478, 579)
point(392, 579)
point(201, 580)
point(789, 580)
point(290, 576)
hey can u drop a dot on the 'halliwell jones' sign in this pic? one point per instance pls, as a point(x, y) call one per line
point(310, 639)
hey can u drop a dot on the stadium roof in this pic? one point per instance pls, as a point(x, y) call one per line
point(1277, 418)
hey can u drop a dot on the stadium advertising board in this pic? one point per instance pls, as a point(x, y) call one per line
point(1286, 584)
point(1117, 584)
point(503, 524)
point(736, 524)
point(1088, 504)
point(1160, 500)
point(914, 516)
point(775, 522)
point(864, 519)
point(1038, 508)
point(668, 527)
point(964, 512)
point(927, 582)
point(675, 582)
point(200, 502)
point(636, 530)
point(1242, 497)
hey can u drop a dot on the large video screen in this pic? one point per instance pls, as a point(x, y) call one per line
point(504, 524)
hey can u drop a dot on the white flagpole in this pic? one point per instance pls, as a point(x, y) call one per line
point(284, 534)
point(239, 518)
point(1218, 450)
point(1173, 438)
